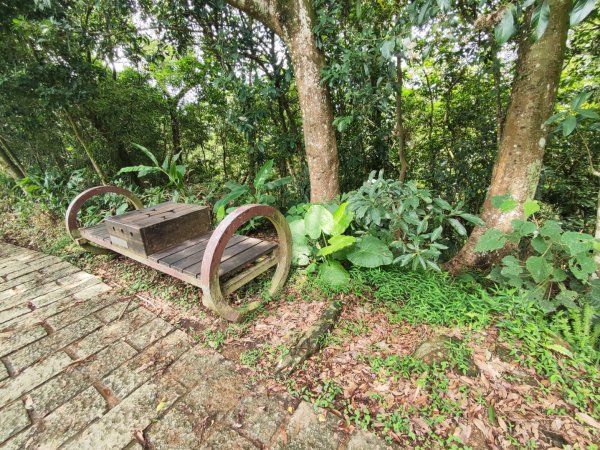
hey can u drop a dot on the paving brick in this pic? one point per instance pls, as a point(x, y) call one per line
point(35, 279)
point(3, 372)
point(199, 364)
point(50, 344)
point(259, 416)
point(310, 428)
point(127, 325)
point(13, 313)
point(227, 439)
point(115, 429)
point(13, 419)
point(181, 428)
point(29, 379)
point(19, 441)
point(68, 420)
point(30, 267)
point(149, 333)
point(70, 315)
point(142, 367)
point(361, 440)
point(72, 289)
point(78, 377)
point(116, 310)
point(39, 315)
point(14, 340)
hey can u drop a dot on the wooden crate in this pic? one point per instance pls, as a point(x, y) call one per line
point(150, 230)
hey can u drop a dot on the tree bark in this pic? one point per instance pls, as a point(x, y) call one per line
point(521, 149)
point(293, 21)
point(9, 161)
point(400, 131)
point(87, 150)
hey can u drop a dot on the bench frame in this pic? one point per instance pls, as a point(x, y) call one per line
point(213, 292)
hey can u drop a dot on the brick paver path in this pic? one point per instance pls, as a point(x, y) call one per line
point(81, 368)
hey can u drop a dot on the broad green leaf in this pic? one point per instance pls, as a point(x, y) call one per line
point(492, 239)
point(300, 254)
point(435, 235)
point(444, 5)
point(560, 349)
point(553, 118)
point(506, 27)
point(539, 268)
point(577, 242)
point(539, 20)
point(336, 243)
point(263, 174)
point(141, 170)
point(551, 229)
point(504, 203)
point(334, 274)
point(546, 306)
point(539, 244)
point(471, 218)
point(342, 217)
point(148, 153)
point(530, 207)
point(442, 203)
point(523, 228)
point(318, 220)
point(231, 196)
point(387, 48)
point(370, 252)
point(567, 298)
point(458, 227)
point(582, 267)
point(298, 231)
point(580, 11)
point(580, 99)
point(569, 125)
point(588, 113)
point(277, 183)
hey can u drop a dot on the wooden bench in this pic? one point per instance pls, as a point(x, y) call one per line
point(218, 261)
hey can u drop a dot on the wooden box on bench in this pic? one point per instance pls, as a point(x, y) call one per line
point(149, 230)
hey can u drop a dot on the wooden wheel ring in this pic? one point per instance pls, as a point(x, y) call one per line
point(77, 203)
point(209, 274)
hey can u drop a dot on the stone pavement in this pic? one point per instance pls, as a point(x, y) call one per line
point(81, 368)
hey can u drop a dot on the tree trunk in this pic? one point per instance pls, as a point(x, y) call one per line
point(9, 161)
point(400, 131)
point(521, 149)
point(175, 128)
point(87, 150)
point(293, 21)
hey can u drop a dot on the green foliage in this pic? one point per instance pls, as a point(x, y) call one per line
point(567, 121)
point(174, 172)
point(580, 327)
point(262, 190)
point(318, 241)
point(412, 222)
point(553, 267)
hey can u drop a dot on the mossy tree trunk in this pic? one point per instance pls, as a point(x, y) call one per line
point(293, 21)
point(521, 148)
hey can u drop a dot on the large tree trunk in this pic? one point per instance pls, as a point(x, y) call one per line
point(293, 21)
point(399, 131)
point(521, 149)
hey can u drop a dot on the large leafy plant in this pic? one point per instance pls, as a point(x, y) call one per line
point(320, 243)
point(261, 191)
point(551, 265)
point(174, 172)
point(408, 218)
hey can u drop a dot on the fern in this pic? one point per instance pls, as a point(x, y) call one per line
point(578, 328)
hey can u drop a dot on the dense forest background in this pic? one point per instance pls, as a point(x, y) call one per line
point(83, 81)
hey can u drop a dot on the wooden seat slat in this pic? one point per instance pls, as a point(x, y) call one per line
point(179, 247)
point(184, 252)
point(250, 254)
point(234, 246)
point(196, 257)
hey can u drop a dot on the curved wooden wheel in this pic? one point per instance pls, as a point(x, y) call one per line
point(77, 203)
point(209, 274)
